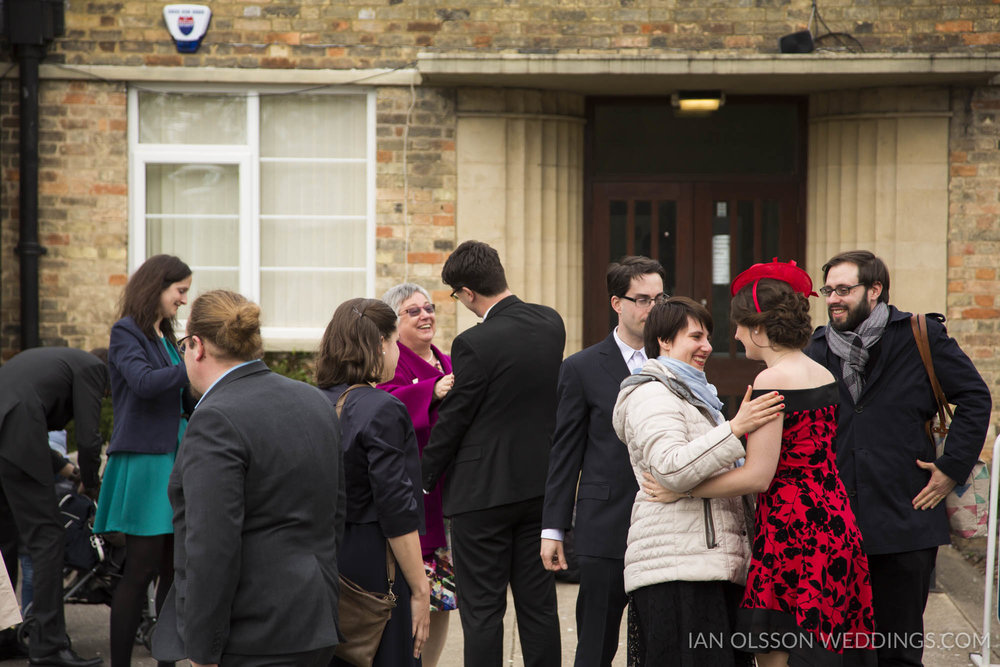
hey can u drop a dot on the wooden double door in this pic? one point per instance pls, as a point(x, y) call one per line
point(704, 234)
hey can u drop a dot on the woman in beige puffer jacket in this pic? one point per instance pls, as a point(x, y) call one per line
point(686, 562)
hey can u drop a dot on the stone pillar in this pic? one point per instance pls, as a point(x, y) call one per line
point(878, 180)
point(520, 189)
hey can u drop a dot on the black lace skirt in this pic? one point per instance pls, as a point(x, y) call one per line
point(685, 624)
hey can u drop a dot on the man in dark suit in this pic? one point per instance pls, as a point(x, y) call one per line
point(894, 479)
point(258, 496)
point(587, 450)
point(491, 443)
point(41, 390)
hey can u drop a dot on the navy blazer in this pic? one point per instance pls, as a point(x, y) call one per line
point(881, 435)
point(145, 392)
point(587, 449)
point(381, 460)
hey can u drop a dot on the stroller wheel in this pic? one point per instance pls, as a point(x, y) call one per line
point(24, 632)
point(144, 634)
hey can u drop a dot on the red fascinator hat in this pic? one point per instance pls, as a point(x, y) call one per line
point(786, 272)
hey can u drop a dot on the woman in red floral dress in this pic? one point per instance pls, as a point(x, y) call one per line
point(808, 594)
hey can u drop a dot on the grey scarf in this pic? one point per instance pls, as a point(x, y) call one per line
point(852, 347)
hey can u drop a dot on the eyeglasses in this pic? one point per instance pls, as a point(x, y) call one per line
point(454, 293)
point(182, 343)
point(841, 290)
point(414, 311)
point(645, 301)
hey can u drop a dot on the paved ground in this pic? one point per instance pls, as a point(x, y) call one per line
point(953, 620)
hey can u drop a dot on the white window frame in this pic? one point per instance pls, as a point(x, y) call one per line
point(247, 159)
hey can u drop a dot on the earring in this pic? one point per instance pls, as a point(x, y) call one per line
point(756, 331)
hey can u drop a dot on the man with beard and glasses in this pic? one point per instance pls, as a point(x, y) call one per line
point(895, 481)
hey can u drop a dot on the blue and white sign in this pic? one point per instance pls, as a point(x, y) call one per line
point(187, 25)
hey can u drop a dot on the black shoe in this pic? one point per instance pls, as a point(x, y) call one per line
point(65, 658)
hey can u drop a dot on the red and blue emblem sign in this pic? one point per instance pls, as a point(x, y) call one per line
point(187, 25)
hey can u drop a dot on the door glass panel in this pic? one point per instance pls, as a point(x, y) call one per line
point(743, 248)
point(643, 228)
point(667, 228)
point(618, 223)
point(721, 264)
point(770, 229)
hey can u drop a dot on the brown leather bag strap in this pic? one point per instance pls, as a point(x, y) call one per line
point(919, 324)
point(343, 397)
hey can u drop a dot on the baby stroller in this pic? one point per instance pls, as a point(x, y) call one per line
point(92, 564)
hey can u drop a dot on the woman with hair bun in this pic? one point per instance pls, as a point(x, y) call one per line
point(258, 505)
point(808, 597)
point(381, 470)
point(147, 379)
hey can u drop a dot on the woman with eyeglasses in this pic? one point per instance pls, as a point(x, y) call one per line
point(423, 378)
point(148, 379)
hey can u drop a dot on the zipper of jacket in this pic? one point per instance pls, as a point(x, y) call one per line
point(709, 524)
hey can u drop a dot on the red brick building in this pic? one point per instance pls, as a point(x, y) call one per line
point(313, 151)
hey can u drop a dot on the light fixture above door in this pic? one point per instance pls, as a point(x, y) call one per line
point(697, 102)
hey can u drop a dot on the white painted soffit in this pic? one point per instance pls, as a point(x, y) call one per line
point(747, 74)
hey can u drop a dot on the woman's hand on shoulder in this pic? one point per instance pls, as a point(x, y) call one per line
point(658, 493)
point(755, 412)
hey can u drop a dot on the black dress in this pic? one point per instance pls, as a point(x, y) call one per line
point(384, 499)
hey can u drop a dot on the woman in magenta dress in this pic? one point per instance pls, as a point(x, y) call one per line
point(808, 594)
point(423, 377)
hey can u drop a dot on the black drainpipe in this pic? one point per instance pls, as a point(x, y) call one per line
point(28, 247)
point(29, 26)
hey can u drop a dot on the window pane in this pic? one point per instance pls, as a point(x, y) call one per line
point(312, 189)
point(306, 298)
point(175, 118)
point(744, 236)
point(312, 242)
point(618, 223)
point(192, 211)
point(313, 126)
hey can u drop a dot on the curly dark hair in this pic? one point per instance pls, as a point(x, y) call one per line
point(784, 313)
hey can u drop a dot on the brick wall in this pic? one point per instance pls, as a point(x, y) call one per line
point(389, 33)
point(428, 191)
point(83, 203)
point(974, 232)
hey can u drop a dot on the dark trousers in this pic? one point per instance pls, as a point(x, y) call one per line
point(493, 548)
point(315, 658)
point(599, 606)
point(900, 584)
point(28, 509)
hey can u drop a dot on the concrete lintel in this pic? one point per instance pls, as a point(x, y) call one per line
point(737, 74)
point(182, 75)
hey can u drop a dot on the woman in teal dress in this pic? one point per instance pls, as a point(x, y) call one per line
point(148, 381)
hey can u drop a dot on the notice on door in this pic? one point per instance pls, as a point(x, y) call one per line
point(720, 259)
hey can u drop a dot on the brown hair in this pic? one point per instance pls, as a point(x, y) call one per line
point(475, 265)
point(628, 268)
point(668, 318)
point(784, 312)
point(141, 298)
point(351, 349)
point(871, 269)
point(230, 322)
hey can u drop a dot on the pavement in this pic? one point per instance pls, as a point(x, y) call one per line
point(952, 624)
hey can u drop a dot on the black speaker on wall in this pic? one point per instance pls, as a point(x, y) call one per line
point(797, 42)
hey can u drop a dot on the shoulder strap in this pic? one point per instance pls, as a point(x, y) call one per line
point(343, 397)
point(919, 324)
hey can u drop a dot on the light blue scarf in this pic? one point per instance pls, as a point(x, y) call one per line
point(697, 383)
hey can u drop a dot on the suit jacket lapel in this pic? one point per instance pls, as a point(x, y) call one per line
point(611, 359)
